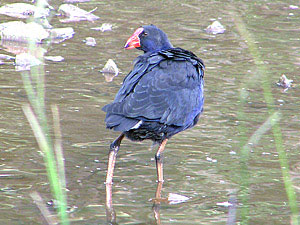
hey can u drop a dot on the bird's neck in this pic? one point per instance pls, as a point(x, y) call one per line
point(164, 46)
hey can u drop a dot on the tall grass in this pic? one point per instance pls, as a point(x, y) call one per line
point(35, 112)
point(271, 123)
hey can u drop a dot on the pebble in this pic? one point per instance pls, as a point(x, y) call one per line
point(215, 28)
point(110, 70)
point(90, 41)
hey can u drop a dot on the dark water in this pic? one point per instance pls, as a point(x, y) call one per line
point(80, 91)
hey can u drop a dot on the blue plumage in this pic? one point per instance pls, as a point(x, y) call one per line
point(164, 89)
point(161, 96)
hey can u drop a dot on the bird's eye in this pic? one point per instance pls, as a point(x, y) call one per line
point(145, 33)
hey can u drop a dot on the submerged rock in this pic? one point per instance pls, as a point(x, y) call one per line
point(44, 22)
point(25, 61)
point(104, 27)
point(54, 58)
point(23, 10)
point(23, 32)
point(74, 1)
point(75, 14)
point(10, 24)
point(224, 204)
point(110, 70)
point(6, 57)
point(17, 47)
point(293, 7)
point(176, 198)
point(58, 35)
point(215, 28)
point(90, 41)
point(284, 82)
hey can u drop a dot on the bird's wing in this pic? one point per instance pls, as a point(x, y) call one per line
point(142, 65)
point(169, 91)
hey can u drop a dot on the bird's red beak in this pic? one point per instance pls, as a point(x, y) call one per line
point(134, 40)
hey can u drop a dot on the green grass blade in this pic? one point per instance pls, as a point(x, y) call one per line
point(265, 83)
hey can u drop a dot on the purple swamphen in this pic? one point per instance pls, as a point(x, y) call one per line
point(160, 97)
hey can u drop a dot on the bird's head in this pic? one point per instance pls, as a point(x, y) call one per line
point(149, 39)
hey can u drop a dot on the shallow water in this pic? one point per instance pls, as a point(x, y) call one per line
point(80, 91)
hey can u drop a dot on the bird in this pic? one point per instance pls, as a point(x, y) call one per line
point(161, 96)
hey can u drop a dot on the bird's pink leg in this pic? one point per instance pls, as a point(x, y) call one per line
point(113, 151)
point(157, 201)
point(159, 161)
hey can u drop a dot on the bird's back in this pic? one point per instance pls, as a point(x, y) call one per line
point(160, 97)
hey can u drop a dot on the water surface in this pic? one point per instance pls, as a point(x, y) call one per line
point(80, 91)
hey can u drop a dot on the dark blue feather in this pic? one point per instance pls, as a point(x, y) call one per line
point(165, 87)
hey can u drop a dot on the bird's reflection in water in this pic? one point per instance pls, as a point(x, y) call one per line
point(111, 215)
point(157, 201)
point(110, 211)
